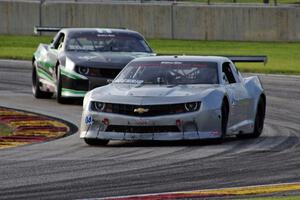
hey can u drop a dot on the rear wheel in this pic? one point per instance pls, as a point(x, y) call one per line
point(96, 142)
point(36, 91)
point(259, 120)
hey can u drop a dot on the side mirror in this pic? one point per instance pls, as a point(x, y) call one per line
point(109, 81)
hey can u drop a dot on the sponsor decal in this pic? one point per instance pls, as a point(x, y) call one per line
point(142, 121)
point(129, 81)
point(170, 63)
point(89, 120)
point(105, 30)
point(87, 57)
point(215, 133)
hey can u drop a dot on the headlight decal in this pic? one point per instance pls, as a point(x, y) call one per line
point(97, 106)
point(83, 70)
point(192, 106)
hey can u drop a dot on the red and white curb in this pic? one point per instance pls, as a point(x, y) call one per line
point(212, 193)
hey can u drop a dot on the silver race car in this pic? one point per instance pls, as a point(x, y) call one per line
point(176, 98)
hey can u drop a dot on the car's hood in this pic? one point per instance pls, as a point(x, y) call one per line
point(100, 59)
point(150, 94)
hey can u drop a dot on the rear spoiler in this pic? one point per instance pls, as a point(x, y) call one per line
point(262, 59)
point(38, 29)
point(257, 59)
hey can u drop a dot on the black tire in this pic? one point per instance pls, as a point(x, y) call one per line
point(224, 122)
point(259, 118)
point(36, 91)
point(96, 142)
point(59, 98)
point(259, 121)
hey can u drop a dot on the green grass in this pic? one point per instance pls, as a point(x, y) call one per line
point(5, 130)
point(20, 47)
point(247, 1)
point(276, 198)
point(283, 57)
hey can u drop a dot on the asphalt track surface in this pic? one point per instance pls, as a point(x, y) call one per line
point(67, 168)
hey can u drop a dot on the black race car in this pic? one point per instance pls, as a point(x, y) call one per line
point(80, 59)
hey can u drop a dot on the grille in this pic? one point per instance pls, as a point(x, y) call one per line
point(75, 85)
point(149, 110)
point(109, 73)
point(102, 72)
point(142, 129)
point(146, 110)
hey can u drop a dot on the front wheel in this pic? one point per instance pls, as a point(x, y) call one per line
point(36, 91)
point(224, 122)
point(96, 142)
point(59, 98)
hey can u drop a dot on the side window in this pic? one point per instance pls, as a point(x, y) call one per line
point(58, 41)
point(227, 73)
point(236, 73)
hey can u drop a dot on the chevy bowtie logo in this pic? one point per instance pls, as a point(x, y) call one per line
point(140, 110)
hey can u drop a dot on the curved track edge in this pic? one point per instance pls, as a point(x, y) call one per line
point(30, 127)
point(214, 193)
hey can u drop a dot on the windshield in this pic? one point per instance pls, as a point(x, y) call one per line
point(95, 41)
point(169, 73)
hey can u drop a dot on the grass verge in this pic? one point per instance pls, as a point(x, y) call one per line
point(5, 130)
point(246, 1)
point(284, 57)
point(20, 47)
point(276, 198)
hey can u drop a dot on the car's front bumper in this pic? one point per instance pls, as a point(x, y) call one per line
point(169, 136)
point(76, 85)
point(191, 126)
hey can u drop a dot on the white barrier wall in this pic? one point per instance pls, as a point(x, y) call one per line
point(237, 23)
point(179, 21)
point(18, 17)
point(151, 20)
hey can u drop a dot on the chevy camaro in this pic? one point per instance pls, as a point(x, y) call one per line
point(176, 98)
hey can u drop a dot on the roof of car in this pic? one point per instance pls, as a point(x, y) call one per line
point(184, 58)
point(102, 31)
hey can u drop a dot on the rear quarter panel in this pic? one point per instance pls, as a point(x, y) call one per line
point(255, 89)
